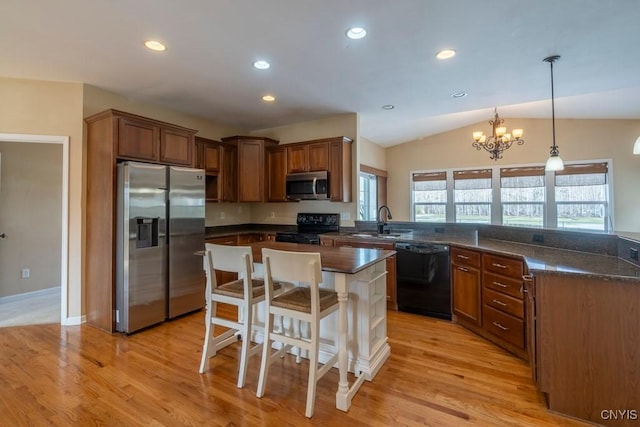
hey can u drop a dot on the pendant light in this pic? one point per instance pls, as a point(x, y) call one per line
point(554, 163)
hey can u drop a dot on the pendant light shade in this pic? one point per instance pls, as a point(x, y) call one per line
point(636, 146)
point(554, 163)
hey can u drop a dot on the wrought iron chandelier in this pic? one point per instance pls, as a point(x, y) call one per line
point(499, 141)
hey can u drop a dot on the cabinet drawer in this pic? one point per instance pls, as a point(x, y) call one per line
point(503, 284)
point(503, 302)
point(465, 257)
point(511, 267)
point(503, 326)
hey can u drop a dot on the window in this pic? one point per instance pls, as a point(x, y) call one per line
point(581, 196)
point(577, 197)
point(522, 195)
point(430, 197)
point(472, 196)
point(373, 192)
point(368, 197)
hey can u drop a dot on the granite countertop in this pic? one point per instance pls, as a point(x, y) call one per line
point(538, 258)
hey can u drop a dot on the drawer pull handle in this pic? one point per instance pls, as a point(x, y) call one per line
point(463, 269)
point(502, 285)
point(500, 302)
point(498, 325)
point(495, 264)
point(463, 256)
point(527, 277)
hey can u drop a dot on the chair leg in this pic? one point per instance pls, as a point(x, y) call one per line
point(313, 368)
point(209, 346)
point(266, 352)
point(246, 345)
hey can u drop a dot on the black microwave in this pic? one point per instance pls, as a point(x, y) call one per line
point(308, 186)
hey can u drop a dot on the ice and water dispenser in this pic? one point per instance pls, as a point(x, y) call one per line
point(147, 232)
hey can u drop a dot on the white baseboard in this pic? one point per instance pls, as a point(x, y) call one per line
point(74, 320)
point(41, 292)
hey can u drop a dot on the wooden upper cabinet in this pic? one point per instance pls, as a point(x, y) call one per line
point(276, 174)
point(251, 166)
point(229, 173)
point(208, 155)
point(297, 158)
point(340, 169)
point(307, 157)
point(176, 147)
point(318, 156)
point(139, 138)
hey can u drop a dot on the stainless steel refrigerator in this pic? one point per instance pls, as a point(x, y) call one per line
point(160, 226)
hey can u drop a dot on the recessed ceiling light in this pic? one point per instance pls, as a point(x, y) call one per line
point(446, 54)
point(356, 33)
point(388, 107)
point(155, 45)
point(269, 98)
point(261, 65)
point(459, 95)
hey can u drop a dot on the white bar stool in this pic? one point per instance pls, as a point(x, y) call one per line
point(306, 304)
point(244, 293)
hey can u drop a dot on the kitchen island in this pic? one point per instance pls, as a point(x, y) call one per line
point(358, 275)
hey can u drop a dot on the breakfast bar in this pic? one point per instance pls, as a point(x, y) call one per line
point(358, 275)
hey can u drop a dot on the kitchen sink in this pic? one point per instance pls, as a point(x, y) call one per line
point(381, 236)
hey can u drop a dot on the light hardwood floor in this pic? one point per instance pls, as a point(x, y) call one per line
point(439, 374)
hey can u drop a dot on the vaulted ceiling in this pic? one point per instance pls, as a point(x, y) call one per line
point(316, 71)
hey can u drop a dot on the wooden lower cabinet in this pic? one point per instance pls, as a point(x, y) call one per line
point(588, 346)
point(392, 301)
point(466, 285)
point(487, 292)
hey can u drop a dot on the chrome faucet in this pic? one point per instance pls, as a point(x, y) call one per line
point(381, 224)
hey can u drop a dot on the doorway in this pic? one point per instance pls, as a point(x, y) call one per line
point(25, 271)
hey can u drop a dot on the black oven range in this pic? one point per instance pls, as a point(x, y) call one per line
point(310, 226)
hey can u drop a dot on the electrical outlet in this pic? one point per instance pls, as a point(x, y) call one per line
point(25, 273)
point(222, 215)
point(345, 215)
point(539, 238)
point(633, 253)
point(272, 215)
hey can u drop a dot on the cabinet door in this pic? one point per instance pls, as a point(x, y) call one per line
point(276, 174)
point(176, 147)
point(297, 158)
point(229, 173)
point(465, 282)
point(318, 156)
point(250, 171)
point(211, 157)
point(138, 139)
point(340, 171)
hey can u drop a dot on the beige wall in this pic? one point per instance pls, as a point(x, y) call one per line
point(576, 139)
point(285, 213)
point(30, 214)
point(371, 154)
point(47, 108)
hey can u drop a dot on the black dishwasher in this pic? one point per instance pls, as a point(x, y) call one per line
point(423, 279)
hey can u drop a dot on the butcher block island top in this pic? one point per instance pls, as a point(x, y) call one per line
point(338, 260)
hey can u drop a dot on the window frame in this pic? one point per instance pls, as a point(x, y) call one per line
point(550, 206)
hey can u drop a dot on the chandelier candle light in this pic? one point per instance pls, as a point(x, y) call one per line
point(499, 141)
